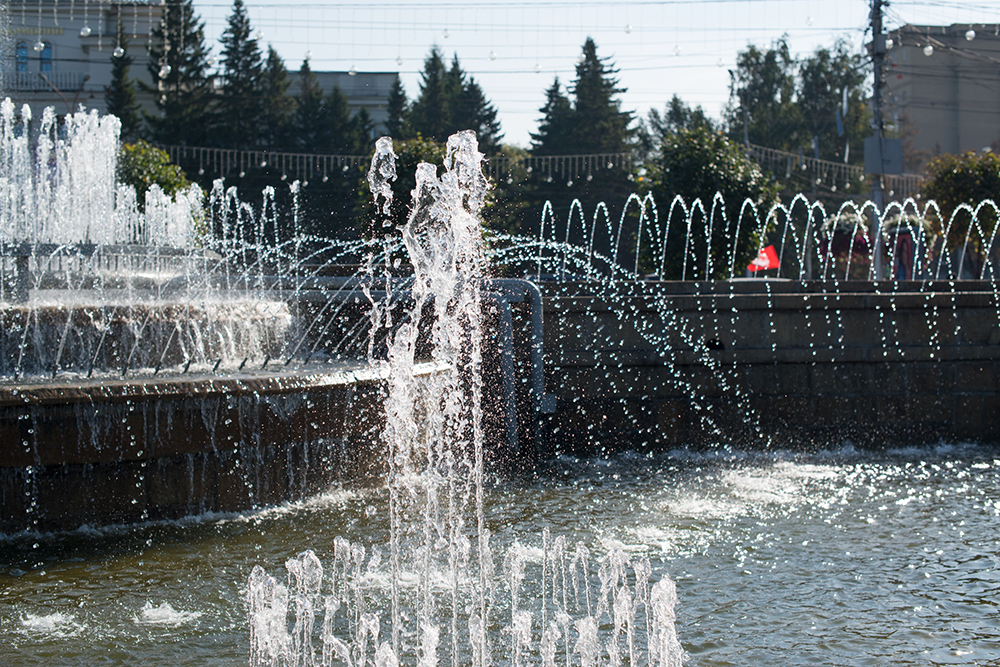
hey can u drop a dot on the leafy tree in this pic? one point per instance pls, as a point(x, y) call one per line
point(397, 124)
point(409, 153)
point(762, 105)
point(240, 105)
point(826, 79)
point(969, 179)
point(554, 136)
point(677, 116)
point(599, 124)
point(178, 64)
point(120, 97)
point(278, 105)
point(141, 165)
point(695, 163)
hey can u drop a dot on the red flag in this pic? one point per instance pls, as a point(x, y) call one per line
point(767, 258)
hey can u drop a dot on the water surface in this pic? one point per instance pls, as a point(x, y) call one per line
point(839, 558)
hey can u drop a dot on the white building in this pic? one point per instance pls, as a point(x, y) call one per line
point(943, 87)
point(59, 54)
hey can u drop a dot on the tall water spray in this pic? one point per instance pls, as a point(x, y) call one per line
point(441, 591)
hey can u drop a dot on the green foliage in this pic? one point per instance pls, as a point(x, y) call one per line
point(676, 116)
point(695, 163)
point(141, 165)
point(278, 105)
point(555, 128)
point(120, 97)
point(762, 98)
point(239, 105)
point(824, 79)
point(598, 123)
point(449, 102)
point(968, 178)
point(409, 153)
point(183, 95)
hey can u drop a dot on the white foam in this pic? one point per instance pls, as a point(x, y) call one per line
point(53, 625)
point(165, 616)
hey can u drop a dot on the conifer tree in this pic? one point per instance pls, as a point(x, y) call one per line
point(341, 130)
point(239, 107)
point(120, 96)
point(278, 105)
point(430, 114)
point(599, 124)
point(178, 64)
point(397, 124)
point(309, 120)
point(472, 111)
point(555, 127)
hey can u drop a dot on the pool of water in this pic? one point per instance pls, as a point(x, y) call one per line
point(837, 558)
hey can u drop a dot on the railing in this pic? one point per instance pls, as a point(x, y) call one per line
point(218, 162)
point(33, 82)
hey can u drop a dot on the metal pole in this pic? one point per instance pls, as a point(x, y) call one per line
point(878, 194)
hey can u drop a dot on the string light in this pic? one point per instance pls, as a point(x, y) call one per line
point(928, 50)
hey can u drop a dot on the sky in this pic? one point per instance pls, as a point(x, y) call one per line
point(514, 49)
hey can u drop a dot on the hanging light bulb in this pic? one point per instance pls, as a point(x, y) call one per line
point(118, 52)
point(889, 43)
point(39, 45)
point(628, 28)
point(399, 61)
point(85, 31)
point(309, 55)
point(579, 59)
point(809, 21)
point(538, 68)
point(353, 71)
point(721, 63)
point(165, 71)
point(259, 35)
point(213, 61)
point(677, 50)
point(928, 50)
point(970, 35)
point(493, 55)
point(446, 34)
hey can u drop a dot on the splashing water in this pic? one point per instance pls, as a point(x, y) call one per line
point(439, 593)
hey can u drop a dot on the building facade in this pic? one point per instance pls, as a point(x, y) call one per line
point(59, 54)
point(943, 89)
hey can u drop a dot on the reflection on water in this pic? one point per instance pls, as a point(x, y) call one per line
point(838, 558)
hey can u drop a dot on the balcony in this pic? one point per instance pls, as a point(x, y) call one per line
point(31, 82)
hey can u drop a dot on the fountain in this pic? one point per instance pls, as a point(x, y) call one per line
point(709, 429)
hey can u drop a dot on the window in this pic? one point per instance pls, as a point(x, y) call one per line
point(45, 58)
point(21, 57)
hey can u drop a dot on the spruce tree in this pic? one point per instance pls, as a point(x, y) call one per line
point(342, 131)
point(397, 124)
point(554, 136)
point(472, 111)
point(278, 105)
point(120, 97)
point(599, 124)
point(309, 120)
point(239, 106)
point(430, 114)
point(178, 64)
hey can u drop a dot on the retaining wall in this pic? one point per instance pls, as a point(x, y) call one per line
point(146, 449)
point(801, 365)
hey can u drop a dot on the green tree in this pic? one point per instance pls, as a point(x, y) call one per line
point(827, 79)
point(278, 105)
point(141, 165)
point(472, 111)
point(343, 136)
point(599, 124)
point(239, 106)
point(967, 179)
point(309, 119)
point(762, 106)
point(430, 114)
point(696, 163)
point(178, 64)
point(397, 125)
point(676, 116)
point(120, 96)
point(554, 135)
